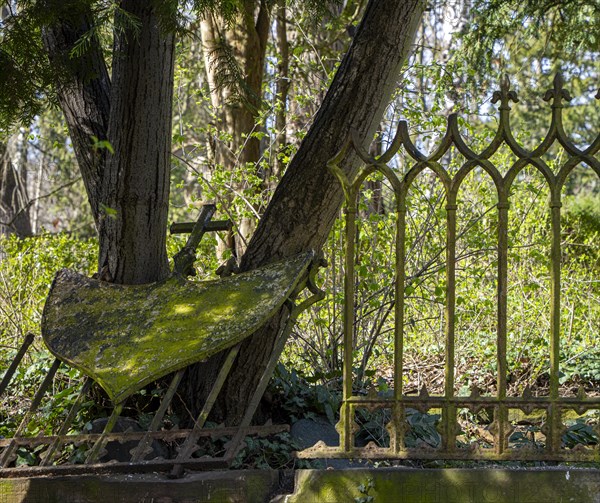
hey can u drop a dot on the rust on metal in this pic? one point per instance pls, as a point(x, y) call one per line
point(214, 226)
point(500, 405)
point(8, 375)
point(100, 351)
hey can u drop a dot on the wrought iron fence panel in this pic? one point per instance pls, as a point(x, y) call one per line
point(449, 402)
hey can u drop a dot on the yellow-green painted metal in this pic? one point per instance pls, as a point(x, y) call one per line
point(290, 276)
point(553, 405)
point(125, 337)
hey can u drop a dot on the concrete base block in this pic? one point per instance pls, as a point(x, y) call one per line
point(398, 485)
point(361, 485)
point(235, 486)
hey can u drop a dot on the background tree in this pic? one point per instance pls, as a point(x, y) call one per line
point(234, 54)
point(14, 200)
point(306, 201)
point(14, 214)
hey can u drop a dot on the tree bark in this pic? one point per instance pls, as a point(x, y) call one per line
point(14, 209)
point(128, 189)
point(306, 202)
point(83, 90)
point(135, 195)
point(236, 94)
point(282, 91)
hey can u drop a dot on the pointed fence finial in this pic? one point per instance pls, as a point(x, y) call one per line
point(504, 95)
point(558, 92)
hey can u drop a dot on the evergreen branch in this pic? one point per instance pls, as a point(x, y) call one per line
point(567, 27)
point(229, 75)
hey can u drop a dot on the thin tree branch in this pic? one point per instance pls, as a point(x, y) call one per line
point(32, 201)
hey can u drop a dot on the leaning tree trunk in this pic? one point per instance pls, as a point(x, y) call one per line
point(127, 180)
point(306, 202)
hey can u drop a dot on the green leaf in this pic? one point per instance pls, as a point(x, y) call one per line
point(109, 212)
point(102, 144)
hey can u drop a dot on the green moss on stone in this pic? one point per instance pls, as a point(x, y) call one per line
point(13, 490)
point(127, 336)
point(397, 485)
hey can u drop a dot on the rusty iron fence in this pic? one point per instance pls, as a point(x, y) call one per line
point(553, 405)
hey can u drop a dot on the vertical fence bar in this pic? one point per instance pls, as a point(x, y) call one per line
point(501, 411)
point(15, 363)
point(189, 445)
point(554, 413)
point(143, 448)
point(58, 442)
point(37, 400)
point(397, 442)
point(346, 420)
point(96, 451)
point(449, 412)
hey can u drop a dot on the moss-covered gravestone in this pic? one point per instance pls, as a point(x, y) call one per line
point(125, 337)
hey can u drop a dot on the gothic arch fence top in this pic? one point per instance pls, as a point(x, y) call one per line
point(449, 402)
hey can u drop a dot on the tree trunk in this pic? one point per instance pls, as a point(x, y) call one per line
point(307, 201)
point(135, 195)
point(83, 92)
point(234, 58)
point(128, 190)
point(282, 91)
point(14, 209)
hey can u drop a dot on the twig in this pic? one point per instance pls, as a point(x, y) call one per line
point(32, 201)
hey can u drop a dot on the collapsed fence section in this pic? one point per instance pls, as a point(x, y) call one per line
point(124, 338)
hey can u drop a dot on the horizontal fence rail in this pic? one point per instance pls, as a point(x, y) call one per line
point(450, 402)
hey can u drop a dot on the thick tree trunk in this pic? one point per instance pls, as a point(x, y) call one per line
point(306, 202)
point(135, 196)
point(128, 190)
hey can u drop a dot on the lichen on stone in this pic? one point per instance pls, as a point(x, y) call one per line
point(125, 337)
